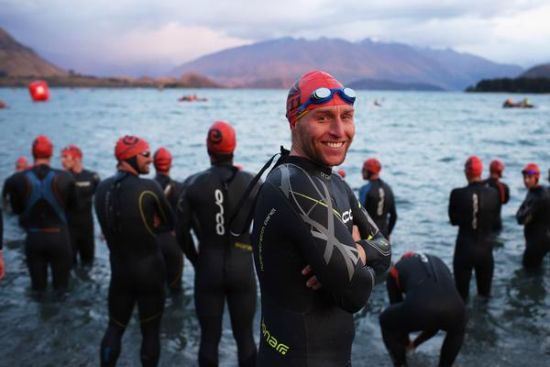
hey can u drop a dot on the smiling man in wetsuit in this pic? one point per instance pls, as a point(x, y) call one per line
point(431, 303)
point(173, 255)
point(223, 264)
point(81, 220)
point(534, 215)
point(313, 272)
point(132, 211)
point(42, 196)
point(474, 209)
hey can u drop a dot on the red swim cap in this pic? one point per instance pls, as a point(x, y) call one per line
point(42, 147)
point(72, 150)
point(473, 167)
point(342, 173)
point(129, 146)
point(497, 167)
point(21, 164)
point(531, 169)
point(221, 138)
point(302, 89)
point(372, 165)
point(162, 159)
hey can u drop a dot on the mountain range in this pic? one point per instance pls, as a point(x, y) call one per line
point(277, 63)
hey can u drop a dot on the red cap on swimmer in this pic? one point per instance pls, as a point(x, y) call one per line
point(21, 164)
point(162, 159)
point(221, 138)
point(496, 167)
point(372, 165)
point(72, 150)
point(531, 169)
point(42, 147)
point(473, 167)
point(314, 90)
point(129, 146)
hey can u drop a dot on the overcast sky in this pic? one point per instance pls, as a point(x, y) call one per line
point(151, 36)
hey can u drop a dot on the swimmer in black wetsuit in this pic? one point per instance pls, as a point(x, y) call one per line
point(173, 255)
point(21, 164)
point(474, 210)
point(223, 264)
point(313, 272)
point(42, 196)
point(81, 221)
point(496, 168)
point(131, 212)
point(534, 214)
point(431, 303)
point(377, 198)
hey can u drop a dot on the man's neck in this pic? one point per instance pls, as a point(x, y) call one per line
point(126, 167)
point(42, 161)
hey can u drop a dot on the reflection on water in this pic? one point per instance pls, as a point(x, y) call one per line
point(422, 140)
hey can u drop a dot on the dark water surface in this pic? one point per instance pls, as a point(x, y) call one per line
point(422, 140)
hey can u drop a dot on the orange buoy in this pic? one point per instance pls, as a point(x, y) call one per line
point(39, 91)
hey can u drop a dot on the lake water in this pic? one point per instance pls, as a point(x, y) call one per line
point(422, 140)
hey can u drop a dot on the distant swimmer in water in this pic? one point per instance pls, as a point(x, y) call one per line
point(132, 211)
point(377, 197)
point(3, 104)
point(342, 173)
point(223, 263)
point(192, 98)
point(508, 103)
point(314, 269)
point(173, 255)
point(42, 197)
point(534, 214)
point(474, 209)
point(431, 303)
point(496, 168)
point(81, 220)
point(377, 103)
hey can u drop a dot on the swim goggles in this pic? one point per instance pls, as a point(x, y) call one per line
point(529, 172)
point(322, 95)
point(145, 154)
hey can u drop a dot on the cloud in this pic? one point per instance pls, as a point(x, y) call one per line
point(130, 32)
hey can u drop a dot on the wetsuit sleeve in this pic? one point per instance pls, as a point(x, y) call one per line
point(392, 285)
point(392, 211)
point(376, 246)
point(183, 226)
point(454, 215)
point(16, 190)
point(1, 230)
point(526, 210)
point(326, 244)
point(506, 195)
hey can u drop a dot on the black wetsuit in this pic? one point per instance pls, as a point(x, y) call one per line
point(304, 216)
point(534, 213)
point(474, 210)
point(173, 255)
point(504, 195)
point(131, 212)
point(431, 303)
point(223, 264)
point(42, 196)
point(377, 198)
point(81, 221)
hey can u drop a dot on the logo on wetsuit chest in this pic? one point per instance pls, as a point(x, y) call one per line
point(347, 216)
point(272, 342)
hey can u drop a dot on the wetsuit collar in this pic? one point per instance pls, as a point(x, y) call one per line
point(126, 167)
point(307, 164)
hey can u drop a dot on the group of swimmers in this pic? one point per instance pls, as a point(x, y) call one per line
point(317, 248)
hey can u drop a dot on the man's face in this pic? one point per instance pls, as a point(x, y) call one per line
point(67, 161)
point(530, 181)
point(324, 135)
point(144, 160)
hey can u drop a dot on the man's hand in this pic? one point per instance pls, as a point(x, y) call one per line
point(312, 281)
